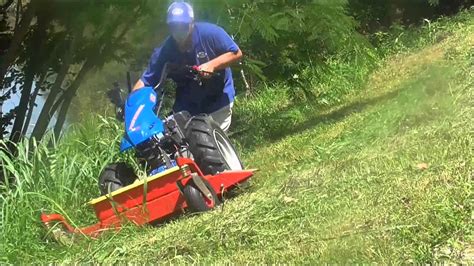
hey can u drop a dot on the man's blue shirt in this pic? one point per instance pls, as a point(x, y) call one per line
point(208, 42)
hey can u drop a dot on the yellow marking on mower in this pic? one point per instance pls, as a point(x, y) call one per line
point(133, 185)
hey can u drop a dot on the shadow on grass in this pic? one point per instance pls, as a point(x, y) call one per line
point(275, 126)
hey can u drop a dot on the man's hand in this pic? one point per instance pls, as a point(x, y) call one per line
point(207, 68)
point(220, 62)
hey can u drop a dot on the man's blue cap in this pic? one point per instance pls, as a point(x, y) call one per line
point(180, 12)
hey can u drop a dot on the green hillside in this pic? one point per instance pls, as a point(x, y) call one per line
point(384, 176)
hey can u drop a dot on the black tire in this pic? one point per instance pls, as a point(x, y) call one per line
point(211, 148)
point(115, 176)
point(196, 201)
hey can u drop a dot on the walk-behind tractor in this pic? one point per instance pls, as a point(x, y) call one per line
point(190, 163)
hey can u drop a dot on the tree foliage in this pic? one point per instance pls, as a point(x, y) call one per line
point(52, 48)
point(48, 47)
point(280, 37)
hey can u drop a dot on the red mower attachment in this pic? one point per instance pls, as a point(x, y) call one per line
point(154, 199)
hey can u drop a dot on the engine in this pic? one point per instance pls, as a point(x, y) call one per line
point(160, 152)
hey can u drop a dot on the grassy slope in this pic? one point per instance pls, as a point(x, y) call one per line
point(340, 185)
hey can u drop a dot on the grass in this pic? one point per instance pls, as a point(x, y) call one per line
point(385, 177)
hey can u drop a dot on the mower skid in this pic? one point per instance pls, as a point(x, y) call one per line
point(56, 224)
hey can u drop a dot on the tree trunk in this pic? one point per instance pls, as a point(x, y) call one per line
point(18, 37)
point(69, 94)
point(31, 106)
point(66, 98)
point(38, 86)
point(46, 112)
point(17, 15)
point(62, 117)
point(38, 39)
point(17, 128)
point(53, 104)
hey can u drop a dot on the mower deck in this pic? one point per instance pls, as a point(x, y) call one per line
point(149, 200)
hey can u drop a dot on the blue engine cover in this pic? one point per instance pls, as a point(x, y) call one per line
point(141, 122)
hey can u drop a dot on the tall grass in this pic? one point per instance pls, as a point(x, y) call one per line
point(55, 177)
point(405, 39)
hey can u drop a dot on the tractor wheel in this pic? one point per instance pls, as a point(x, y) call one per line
point(197, 202)
point(210, 146)
point(115, 176)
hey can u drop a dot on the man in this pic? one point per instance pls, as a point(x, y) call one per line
point(210, 48)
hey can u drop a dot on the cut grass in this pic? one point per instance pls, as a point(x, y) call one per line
point(342, 185)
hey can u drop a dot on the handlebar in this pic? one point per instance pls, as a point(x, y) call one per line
point(115, 94)
point(195, 70)
point(169, 67)
point(196, 73)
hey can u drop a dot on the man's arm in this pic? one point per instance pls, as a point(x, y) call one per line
point(221, 62)
point(152, 74)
